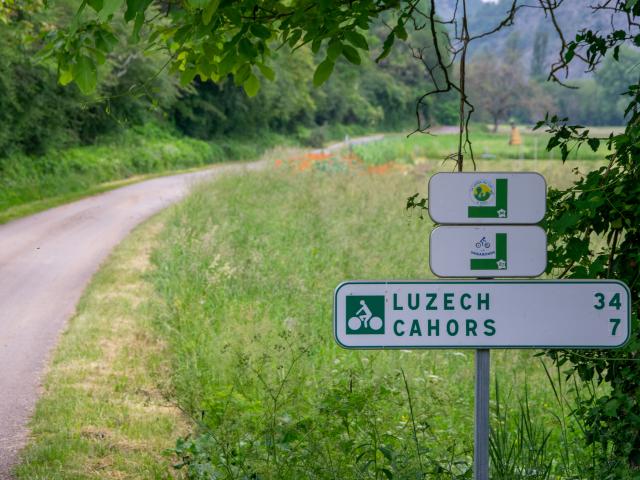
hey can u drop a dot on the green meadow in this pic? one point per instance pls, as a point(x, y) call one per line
point(421, 147)
point(246, 270)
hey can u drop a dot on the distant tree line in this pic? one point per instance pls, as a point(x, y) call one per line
point(504, 87)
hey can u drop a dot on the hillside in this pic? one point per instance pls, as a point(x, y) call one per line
point(532, 31)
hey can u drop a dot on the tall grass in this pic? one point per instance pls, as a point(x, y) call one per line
point(245, 273)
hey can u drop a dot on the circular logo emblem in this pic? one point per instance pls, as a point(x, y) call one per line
point(482, 191)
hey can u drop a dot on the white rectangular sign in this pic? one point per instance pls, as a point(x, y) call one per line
point(482, 314)
point(487, 198)
point(488, 251)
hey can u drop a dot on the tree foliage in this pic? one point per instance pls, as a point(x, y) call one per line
point(135, 87)
point(215, 38)
point(594, 233)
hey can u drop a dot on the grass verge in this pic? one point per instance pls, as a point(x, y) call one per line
point(29, 208)
point(246, 269)
point(102, 414)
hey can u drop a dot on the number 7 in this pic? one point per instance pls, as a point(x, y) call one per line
point(616, 322)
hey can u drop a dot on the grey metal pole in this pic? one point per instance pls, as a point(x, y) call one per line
point(481, 433)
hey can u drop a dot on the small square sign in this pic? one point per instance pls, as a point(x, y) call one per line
point(365, 315)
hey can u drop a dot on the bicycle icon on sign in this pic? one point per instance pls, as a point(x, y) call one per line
point(365, 315)
point(365, 319)
point(483, 243)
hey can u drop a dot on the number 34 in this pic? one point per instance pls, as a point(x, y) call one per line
point(614, 302)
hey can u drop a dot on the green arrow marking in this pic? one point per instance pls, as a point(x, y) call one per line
point(500, 210)
point(498, 263)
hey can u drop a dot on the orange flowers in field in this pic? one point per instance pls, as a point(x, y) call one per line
point(318, 155)
point(304, 162)
point(381, 169)
point(326, 161)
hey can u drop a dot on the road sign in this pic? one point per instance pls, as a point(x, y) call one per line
point(482, 314)
point(487, 198)
point(488, 251)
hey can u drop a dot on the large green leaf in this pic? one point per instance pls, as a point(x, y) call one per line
point(246, 48)
point(228, 63)
point(260, 31)
point(323, 72)
point(95, 4)
point(198, 3)
point(268, 73)
point(334, 49)
point(85, 74)
point(105, 41)
point(242, 74)
point(65, 77)
point(251, 85)
point(109, 7)
point(137, 26)
point(211, 8)
point(134, 8)
point(351, 54)
point(187, 76)
point(356, 39)
point(386, 46)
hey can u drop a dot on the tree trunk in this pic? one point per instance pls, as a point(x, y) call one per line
point(495, 124)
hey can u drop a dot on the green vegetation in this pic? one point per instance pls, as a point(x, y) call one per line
point(594, 233)
point(246, 315)
point(33, 183)
point(290, 417)
point(57, 143)
point(486, 146)
point(104, 412)
point(38, 115)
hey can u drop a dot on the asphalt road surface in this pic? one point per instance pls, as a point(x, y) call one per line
point(46, 261)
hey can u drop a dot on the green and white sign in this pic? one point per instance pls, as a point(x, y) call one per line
point(482, 314)
point(487, 198)
point(488, 251)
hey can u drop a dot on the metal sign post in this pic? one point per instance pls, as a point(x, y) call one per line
point(481, 430)
point(491, 198)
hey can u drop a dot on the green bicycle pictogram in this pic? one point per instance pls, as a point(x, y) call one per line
point(365, 315)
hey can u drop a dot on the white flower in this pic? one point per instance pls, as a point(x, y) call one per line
point(290, 323)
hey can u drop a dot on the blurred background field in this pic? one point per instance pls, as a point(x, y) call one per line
point(420, 148)
point(54, 140)
point(423, 154)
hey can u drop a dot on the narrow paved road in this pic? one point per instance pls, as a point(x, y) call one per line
point(46, 260)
